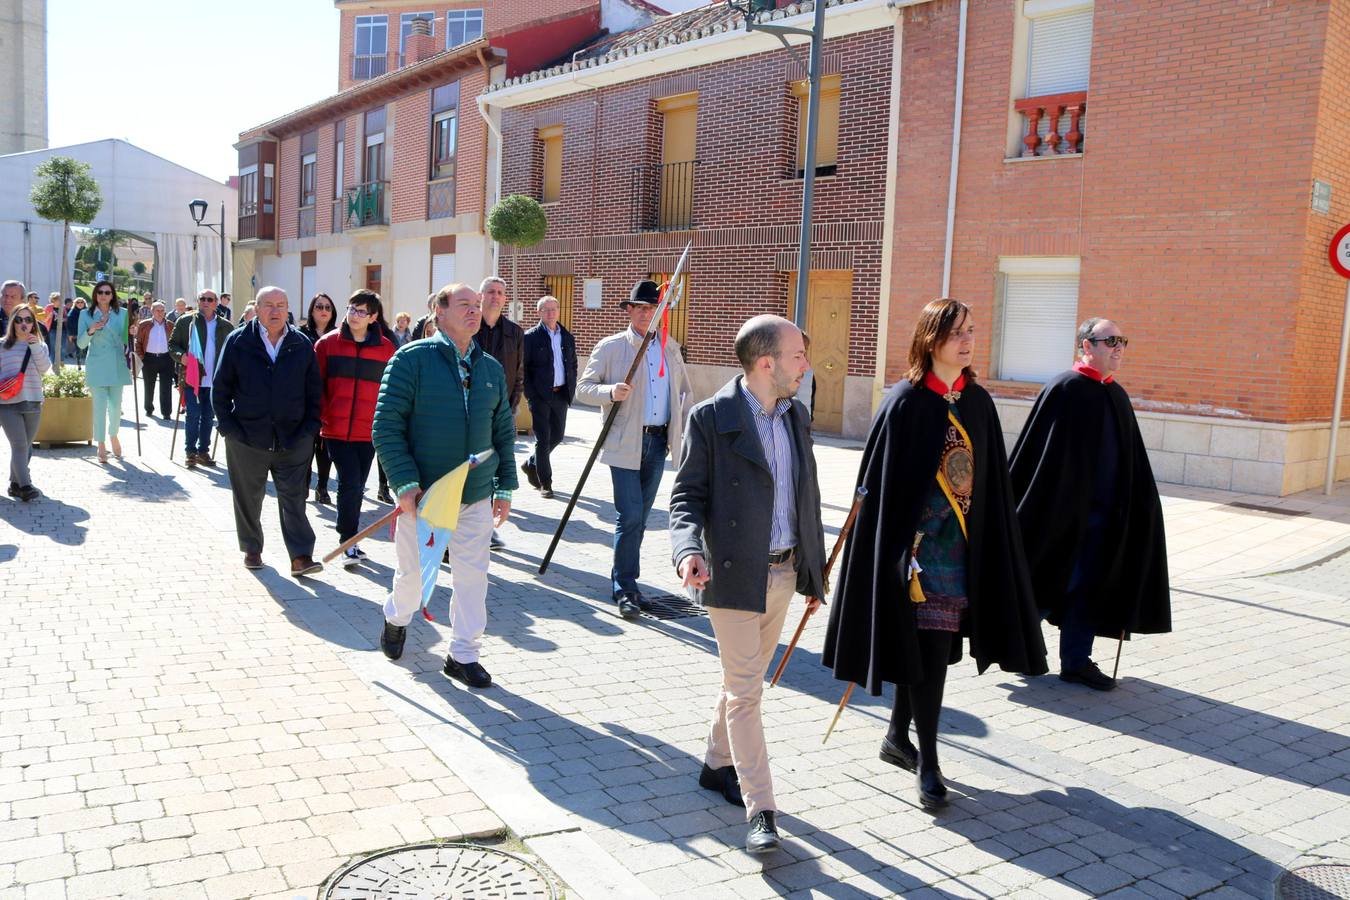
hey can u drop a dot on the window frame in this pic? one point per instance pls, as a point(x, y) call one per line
point(463, 18)
point(831, 86)
point(367, 26)
point(551, 170)
point(248, 190)
point(1011, 267)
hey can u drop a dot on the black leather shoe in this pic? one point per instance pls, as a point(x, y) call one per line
point(472, 674)
point(385, 497)
point(932, 790)
point(724, 781)
point(28, 493)
point(643, 603)
point(905, 755)
point(546, 493)
point(253, 560)
point(763, 836)
point(14, 489)
point(1089, 675)
point(323, 498)
point(531, 473)
point(392, 638)
point(629, 607)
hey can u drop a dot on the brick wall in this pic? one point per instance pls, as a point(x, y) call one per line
point(1188, 208)
point(746, 205)
point(498, 15)
point(411, 156)
point(287, 188)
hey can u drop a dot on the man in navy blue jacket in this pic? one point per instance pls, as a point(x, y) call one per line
point(266, 396)
point(550, 384)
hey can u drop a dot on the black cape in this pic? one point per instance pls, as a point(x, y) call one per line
point(1054, 466)
point(872, 636)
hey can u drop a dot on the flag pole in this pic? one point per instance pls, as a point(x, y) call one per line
point(667, 302)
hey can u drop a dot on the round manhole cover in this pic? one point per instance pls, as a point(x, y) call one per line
point(438, 872)
point(1322, 882)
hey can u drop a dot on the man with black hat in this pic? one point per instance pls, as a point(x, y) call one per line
point(649, 425)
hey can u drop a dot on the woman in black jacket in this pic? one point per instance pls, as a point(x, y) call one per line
point(936, 553)
point(320, 318)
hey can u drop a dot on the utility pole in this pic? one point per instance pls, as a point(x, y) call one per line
point(752, 10)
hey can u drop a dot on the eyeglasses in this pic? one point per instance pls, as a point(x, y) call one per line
point(25, 320)
point(323, 306)
point(1112, 341)
point(207, 300)
point(358, 312)
point(102, 291)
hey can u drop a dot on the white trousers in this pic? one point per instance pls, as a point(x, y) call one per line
point(469, 550)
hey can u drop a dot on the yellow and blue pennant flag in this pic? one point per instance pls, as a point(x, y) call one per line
point(437, 518)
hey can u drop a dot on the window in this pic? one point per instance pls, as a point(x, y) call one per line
point(444, 129)
point(462, 26)
point(373, 163)
point(405, 28)
point(552, 140)
point(679, 143)
point(248, 191)
point(1038, 317)
point(339, 159)
point(1053, 58)
point(268, 173)
point(309, 163)
point(827, 132)
point(371, 48)
point(679, 316)
point(561, 286)
point(1059, 50)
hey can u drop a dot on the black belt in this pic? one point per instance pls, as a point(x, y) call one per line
point(780, 556)
point(156, 354)
point(655, 429)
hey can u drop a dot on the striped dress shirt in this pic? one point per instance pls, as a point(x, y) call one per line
point(771, 425)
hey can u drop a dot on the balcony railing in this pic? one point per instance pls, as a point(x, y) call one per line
point(662, 196)
point(363, 205)
point(304, 226)
point(441, 199)
point(248, 228)
point(1045, 116)
point(371, 65)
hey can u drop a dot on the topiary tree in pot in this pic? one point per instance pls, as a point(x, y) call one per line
point(65, 192)
point(517, 221)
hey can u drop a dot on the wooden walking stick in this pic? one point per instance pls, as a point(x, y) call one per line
point(178, 411)
point(858, 496)
point(667, 303)
point(843, 702)
point(1119, 646)
point(136, 402)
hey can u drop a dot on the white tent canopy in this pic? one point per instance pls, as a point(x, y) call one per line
point(142, 193)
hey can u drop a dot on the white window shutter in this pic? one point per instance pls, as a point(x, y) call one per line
point(442, 270)
point(1040, 318)
point(309, 277)
point(1060, 53)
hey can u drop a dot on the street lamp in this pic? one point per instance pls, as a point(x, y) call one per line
point(198, 210)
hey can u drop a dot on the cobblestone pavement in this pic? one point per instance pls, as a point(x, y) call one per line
point(175, 724)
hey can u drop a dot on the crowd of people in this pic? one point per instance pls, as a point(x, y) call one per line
point(955, 542)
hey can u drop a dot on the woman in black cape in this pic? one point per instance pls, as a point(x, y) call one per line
point(936, 553)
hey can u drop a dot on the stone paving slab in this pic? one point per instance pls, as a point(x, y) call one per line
point(1223, 757)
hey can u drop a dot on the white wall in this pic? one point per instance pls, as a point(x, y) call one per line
point(35, 261)
point(336, 277)
point(408, 279)
point(279, 271)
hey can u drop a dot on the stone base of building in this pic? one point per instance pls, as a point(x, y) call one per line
point(1229, 454)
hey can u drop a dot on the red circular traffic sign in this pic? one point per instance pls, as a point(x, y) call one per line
point(1340, 252)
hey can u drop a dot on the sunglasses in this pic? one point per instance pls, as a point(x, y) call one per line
point(208, 300)
point(23, 321)
point(323, 306)
point(1112, 341)
point(102, 292)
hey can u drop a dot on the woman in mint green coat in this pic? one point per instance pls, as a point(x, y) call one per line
point(103, 332)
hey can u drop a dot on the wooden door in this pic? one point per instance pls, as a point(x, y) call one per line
point(560, 286)
point(829, 302)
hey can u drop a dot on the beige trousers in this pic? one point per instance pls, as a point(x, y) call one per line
point(745, 644)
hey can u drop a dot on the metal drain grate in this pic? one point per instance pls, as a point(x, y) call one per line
point(437, 871)
point(1271, 511)
point(1320, 882)
point(673, 606)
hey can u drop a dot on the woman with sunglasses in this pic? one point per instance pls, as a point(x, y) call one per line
point(22, 350)
point(1091, 518)
point(103, 333)
point(351, 363)
point(935, 554)
point(320, 318)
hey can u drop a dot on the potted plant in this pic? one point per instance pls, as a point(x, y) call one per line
point(518, 221)
point(67, 409)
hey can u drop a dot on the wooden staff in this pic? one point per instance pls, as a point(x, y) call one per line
point(178, 411)
point(858, 496)
point(667, 302)
point(136, 400)
point(843, 702)
point(1119, 646)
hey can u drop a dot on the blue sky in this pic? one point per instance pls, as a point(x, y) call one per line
point(182, 78)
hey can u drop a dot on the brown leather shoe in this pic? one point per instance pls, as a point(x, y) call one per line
point(204, 459)
point(253, 561)
point(305, 565)
point(191, 461)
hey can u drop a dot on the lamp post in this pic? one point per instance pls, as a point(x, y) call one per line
point(198, 210)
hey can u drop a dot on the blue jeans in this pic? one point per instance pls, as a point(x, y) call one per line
point(200, 417)
point(634, 493)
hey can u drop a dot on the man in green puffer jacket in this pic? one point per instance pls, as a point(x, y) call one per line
point(440, 400)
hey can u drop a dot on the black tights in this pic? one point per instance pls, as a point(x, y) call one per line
point(922, 702)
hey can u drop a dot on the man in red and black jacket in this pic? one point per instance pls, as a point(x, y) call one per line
point(351, 363)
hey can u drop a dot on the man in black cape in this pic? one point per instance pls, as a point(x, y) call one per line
point(1091, 519)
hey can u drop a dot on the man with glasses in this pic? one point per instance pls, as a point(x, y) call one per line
point(1091, 519)
point(197, 342)
point(441, 400)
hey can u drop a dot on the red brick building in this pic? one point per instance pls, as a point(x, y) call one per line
point(382, 185)
point(1176, 205)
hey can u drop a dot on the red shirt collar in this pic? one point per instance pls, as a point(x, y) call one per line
point(939, 387)
point(1083, 368)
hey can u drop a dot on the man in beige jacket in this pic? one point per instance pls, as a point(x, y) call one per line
point(649, 424)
